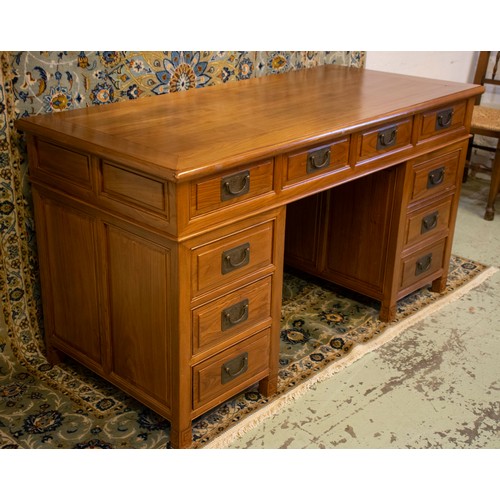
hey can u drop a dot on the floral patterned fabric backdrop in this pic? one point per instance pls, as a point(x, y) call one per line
point(46, 82)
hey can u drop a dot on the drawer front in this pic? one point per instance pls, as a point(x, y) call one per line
point(229, 372)
point(441, 120)
point(318, 161)
point(384, 139)
point(421, 264)
point(135, 189)
point(240, 311)
point(223, 261)
point(427, 222)
point(231, 188)
point(63, 163)
point(434, 176)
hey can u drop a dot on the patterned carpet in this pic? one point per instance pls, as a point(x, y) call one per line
point(66, 406)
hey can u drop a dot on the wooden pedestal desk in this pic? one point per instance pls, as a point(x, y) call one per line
point(161, 222)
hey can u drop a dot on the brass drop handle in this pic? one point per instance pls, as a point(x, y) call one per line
point(429, 222)
point(423, 264)
point(235, 258)
point(235, 185)
point(234, 368)
point(314, 157)
point(444, 118)
point(228, 319)
point(387, 138)
point(435, 177)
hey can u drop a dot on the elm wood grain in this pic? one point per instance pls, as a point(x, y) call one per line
point(67, 246)
point(223, 319)
point(138, 312)
point(426, 222)
point(347, 229)
point(305, 226)
point(250, 365)
point(188, 134)
point(381, 140)
point(214, 192)
point(434, 176)
point(455, 113)
point(296, 168)
point(141, 166)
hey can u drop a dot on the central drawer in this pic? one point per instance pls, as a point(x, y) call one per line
point(384, 140)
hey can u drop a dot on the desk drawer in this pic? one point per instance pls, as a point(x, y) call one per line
point(441, 120)
point(65, 164)
point(236, 312)
point(318, 161)
point(435, 175)
point(231, 371)
point(424, 263)
point(223, 261)
point(427, 222)
point(379, 141)
point(231, 188)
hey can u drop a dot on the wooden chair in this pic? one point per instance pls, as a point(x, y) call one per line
point(486, 122)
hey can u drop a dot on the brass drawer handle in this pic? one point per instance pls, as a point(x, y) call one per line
point(444, 118)
point(234, 315)
point(429, 222)
point(234, 185)
point(435, 177)
point(235, 258)
point(234, 368)
point(423, 264)
point(387, 138)
point(322, 156)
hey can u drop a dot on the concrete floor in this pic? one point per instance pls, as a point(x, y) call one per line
point(435, 386)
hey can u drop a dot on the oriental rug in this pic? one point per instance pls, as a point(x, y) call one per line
point(323, 329)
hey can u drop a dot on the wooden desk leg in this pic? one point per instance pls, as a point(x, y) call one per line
point(387, 311)
point(180, 438)
point(268, 386)
point(439, 285)
point(54, 356)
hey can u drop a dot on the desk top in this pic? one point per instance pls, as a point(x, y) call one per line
point(186, 134)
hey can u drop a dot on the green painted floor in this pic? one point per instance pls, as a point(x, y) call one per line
point(435, 386)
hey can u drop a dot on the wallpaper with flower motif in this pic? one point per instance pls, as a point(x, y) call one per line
point(48, 82)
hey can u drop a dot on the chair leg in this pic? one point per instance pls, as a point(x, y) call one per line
point(494, 187)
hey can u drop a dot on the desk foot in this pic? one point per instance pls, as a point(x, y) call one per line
point(268, 386)
point(387, 312)
point(55, 356)
point(180, 439)
point(439, 285)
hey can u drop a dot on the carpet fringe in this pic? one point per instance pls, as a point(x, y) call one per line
point(358, 352)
